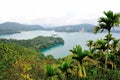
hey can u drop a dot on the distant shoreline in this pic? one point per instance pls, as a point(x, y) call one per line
point(9, 33)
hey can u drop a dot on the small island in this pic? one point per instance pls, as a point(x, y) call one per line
point(37, 43)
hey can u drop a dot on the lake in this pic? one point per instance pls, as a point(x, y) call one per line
point(70, 40)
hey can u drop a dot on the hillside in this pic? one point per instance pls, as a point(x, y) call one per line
point(81, 28)
point(16, 62)
point(75, 28)
point(13, 27)
point(21, 63)
point(37, 43)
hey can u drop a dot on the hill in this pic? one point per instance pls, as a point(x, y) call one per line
point(37, 43)
point(13, 27)
point(75, 28)
point(80, 28)
point(17, 61)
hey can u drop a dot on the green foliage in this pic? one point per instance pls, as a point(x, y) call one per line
point(107, 23)
point(65, 66)
point(50, 71)
point(110, 20)
point(10, 54)
point(20, 60)
point(78, 53)
point(37, 43)
point(96, 29)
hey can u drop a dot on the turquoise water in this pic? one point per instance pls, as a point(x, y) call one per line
point(71, 39)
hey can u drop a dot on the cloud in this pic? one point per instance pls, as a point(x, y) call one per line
point(62, 21)
point(55, 12)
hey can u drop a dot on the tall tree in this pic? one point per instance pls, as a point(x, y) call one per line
point(114, 45)
point(109, 21)
point(79, 55)
point(64, 67)
point(90, 44)
point(50, 71)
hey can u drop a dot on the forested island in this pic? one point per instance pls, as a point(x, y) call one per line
point(37, 43)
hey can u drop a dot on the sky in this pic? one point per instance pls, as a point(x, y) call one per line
point(55, 12)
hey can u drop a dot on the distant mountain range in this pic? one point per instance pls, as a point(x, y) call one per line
point(75, 28)
point(13, 27)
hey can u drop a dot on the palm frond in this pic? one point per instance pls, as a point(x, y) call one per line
point(109, 14)
point(76, 50)
point(96, 29)
point(110, 20)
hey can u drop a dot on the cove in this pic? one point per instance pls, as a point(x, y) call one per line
point(51, 47)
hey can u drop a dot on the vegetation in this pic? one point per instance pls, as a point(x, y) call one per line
point(37, 43)
point(100, 62)
point(108, 22)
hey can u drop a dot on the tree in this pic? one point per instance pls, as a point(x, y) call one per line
point(114, 45)
point(107, 23)
point(79, 55)
point(100, 44)
point(50, 71)
point(90, 44)
point(64, 67)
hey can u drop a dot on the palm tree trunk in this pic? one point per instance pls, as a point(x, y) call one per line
point(90, 49)
point(106, 60)
point(84, 71)
point(79, 74)
point(106, 54)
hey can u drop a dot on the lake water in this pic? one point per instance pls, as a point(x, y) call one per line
point(71, 39)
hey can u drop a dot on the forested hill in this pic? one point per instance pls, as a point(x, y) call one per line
point(37, 43)
point(75, 28)
point(22, 60)
point(17, 62)
point(13, 27)
point(81, 28)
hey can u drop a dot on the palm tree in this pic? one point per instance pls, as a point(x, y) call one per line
point(114, 45)
point(107, 23)
point(50, 71)
point(90, 44)
point(79, 55)
point(100, 44)
point(64, 67)
point(100, 47)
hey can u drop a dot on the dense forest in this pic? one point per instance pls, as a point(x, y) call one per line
point(22, 61)
point(37, 43)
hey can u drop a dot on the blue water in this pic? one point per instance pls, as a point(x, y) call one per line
point(71, 39)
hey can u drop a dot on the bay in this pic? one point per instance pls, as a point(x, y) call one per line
point(70, 40)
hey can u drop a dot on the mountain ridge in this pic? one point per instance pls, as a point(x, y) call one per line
point(75, 28)
point(15, 27)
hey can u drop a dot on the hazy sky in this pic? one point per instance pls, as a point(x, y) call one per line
point(55, 12)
